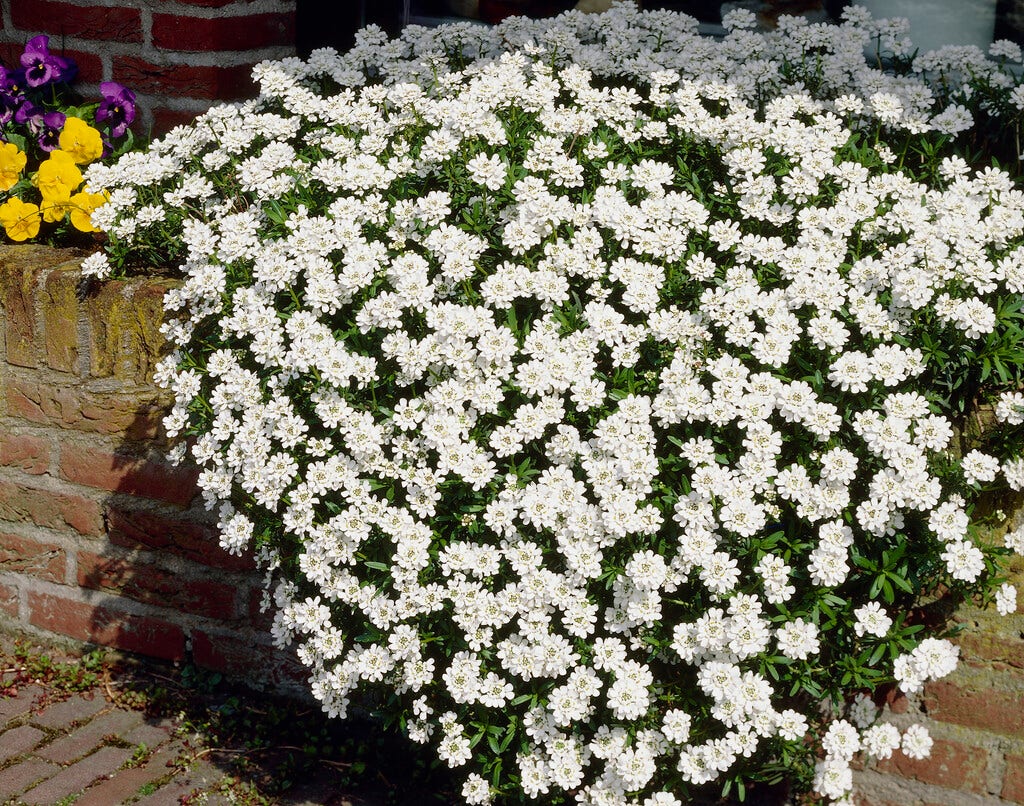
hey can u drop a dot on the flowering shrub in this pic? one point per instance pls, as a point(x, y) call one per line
point(591, 387)
point(46, 136)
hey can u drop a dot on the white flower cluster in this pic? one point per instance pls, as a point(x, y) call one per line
point(577, 407)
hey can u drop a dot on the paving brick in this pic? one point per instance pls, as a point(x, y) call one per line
point(127, 782)
point(89, 736)
point(75, 709)
point(21, 776)
point(20, 703)
point(149, 734)
point(19, 740)
point(78, 776)
point(201, 776)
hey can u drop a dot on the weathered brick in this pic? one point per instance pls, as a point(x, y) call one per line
point(124, 326)
point(17, 778)
point(76, 19)
point(135, 414)
point(59, 304)
point(951, 765)
point(1013, 780)
point(131, 475)
point(19, 740)
point(89, 736)
point(999, 650)
point(77, 708)
point(106, 625)
point(193, 81)
point(223, 32)
point(51, 510)
point(20, 269)
point(78, 776)
point(22, 555)
point(27, 453)
point(987, 708)
point(146, 583)
point(135, 529)
point(9, 600)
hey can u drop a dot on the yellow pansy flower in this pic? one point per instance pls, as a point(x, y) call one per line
point(57, 177)
point(81, 141)
point(82, 204)
point(19, 219)
point(55, 211)
point(12, 163)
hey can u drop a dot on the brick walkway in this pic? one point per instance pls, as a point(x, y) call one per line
point(88, 750)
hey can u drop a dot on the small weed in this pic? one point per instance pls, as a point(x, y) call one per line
point(147, 789)
point(139, 756)
point(60, 679)
point(67, 800)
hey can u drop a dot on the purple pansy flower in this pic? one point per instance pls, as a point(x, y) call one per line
point(43, 67)
point(46, 126)
point(49, 132)
point(117, 109)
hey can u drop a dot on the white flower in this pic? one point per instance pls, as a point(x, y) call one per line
point(872, 620)
point(97, 265)
point(798, 639)
point(917, 743)
point(1006, 599)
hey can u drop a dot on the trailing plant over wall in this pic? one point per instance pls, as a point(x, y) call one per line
point(589, 387)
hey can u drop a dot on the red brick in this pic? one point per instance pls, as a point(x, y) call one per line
point(127, 474)
point(9, 600)
point(190, 81)
point(151, 585)
point(49, 509)
point(107, 626)
point(1013, 780)
point(90, 66)
point(221, 33)
point(22, 555)
point(225, 653)
point(136, 529)
point(950, 765)
point(78, 776)
point(136, 416)
point(989, 709)
point(27, 453)
point(77, 19)
point(166, 119)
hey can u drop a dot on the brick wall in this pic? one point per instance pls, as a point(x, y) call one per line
point(177, 55)
point(100, 540)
